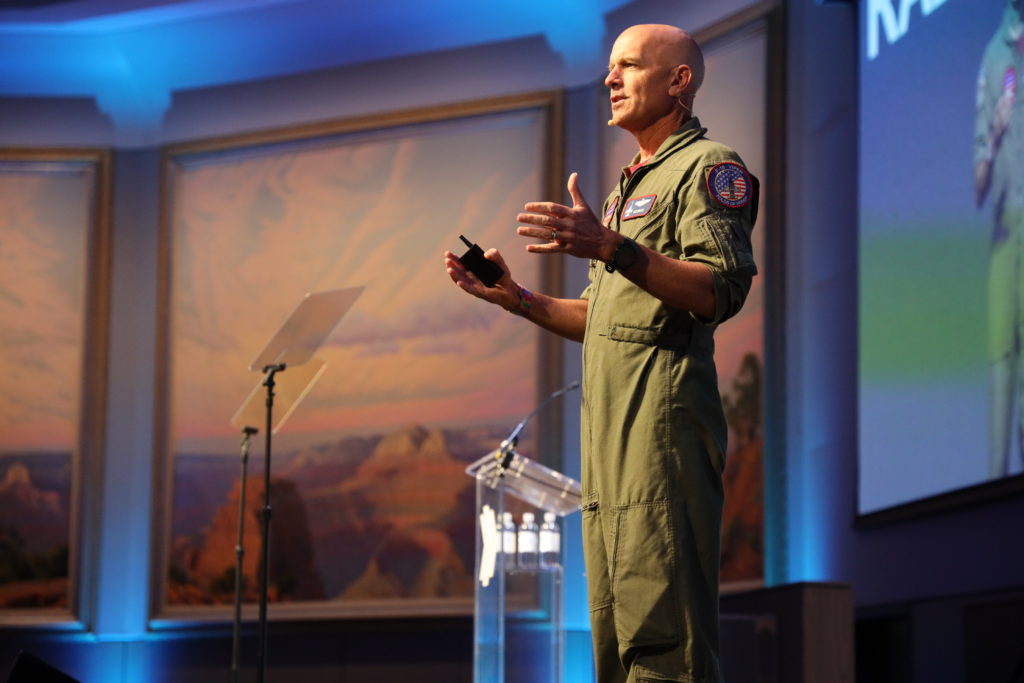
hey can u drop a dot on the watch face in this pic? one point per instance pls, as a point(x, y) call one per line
point(625, 255)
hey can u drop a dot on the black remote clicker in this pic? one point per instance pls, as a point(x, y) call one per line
point(488, 272)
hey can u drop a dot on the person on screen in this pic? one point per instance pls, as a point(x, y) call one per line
point(670, 258)
point(999, 176)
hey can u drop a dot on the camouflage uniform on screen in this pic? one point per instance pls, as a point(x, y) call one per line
point(653, 430)
point(998, 80)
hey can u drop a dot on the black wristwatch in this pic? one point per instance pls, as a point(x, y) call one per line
point(626, 254)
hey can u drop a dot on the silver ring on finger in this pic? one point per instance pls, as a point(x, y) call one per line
point(554, 235)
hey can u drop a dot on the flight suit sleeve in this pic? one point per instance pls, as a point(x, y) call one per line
point(717, 213)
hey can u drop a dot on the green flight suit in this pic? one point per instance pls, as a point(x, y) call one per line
point(1001, 69)
point(653, 432)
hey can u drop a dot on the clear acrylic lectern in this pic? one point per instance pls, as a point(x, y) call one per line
point(517, 621)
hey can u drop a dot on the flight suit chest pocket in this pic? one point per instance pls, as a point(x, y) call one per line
point(649, 336)
point(647, 609)
point(635, 225)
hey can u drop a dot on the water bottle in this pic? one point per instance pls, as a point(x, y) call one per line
point(528, 541)
point(550, 541)
point(508, 541)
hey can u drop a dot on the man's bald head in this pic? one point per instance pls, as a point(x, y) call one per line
point(672, 47)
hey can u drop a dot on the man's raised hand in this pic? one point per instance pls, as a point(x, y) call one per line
point(573, 230)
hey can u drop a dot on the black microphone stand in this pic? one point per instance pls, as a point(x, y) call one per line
point(261, 656)
point(236, 630)
point(507, 450)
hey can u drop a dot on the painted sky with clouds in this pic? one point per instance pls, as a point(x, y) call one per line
point(43, 234)
point(253, 232)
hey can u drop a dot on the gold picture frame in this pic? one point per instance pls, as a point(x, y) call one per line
point(55, 245)
point(420, 377)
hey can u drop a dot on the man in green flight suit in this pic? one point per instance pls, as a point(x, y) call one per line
point(999, 174)
point(670, 260)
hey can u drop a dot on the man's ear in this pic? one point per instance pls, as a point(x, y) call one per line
point(682, 76)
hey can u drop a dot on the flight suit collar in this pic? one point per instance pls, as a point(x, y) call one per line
point(683, 136)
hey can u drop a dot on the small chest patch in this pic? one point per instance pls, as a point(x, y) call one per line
point(1010, 82)
point(729, 184)
point(610, 212)
point(638, 206)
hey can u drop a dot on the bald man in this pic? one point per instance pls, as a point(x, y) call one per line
point(670, 259)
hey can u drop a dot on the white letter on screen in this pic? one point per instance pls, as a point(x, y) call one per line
point(881, 11)
point(905, 6)
point(929, 6)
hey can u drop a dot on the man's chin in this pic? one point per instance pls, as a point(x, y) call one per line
point(623, 121)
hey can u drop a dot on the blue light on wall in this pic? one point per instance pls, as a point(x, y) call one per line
point(133, 62)
point(807, 551)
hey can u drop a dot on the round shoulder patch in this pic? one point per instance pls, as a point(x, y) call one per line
point(729, 183)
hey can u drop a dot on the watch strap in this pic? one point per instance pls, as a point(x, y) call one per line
point(626, 254)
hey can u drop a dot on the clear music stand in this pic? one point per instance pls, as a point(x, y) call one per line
point(518, 632)
point(302, 333)
point(291, 389)
point(292, 346)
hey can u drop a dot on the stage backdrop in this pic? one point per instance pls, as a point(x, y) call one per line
point(54, 251)
point(373, 513)
point(940, 250)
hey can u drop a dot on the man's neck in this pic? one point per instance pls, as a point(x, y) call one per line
point(650, 138)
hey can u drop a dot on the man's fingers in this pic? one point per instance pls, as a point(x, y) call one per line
point(574, 191)
point(545, 223)
point(546, 248)
point(458, 273)
point(454, 266)
point(544, 233)
point(548, 208)
point(463, 279)
point(493, 254)
point(534, 219)
point(451, 265)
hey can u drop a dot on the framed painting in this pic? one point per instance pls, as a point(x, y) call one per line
point(372, 509)
point(54, 300)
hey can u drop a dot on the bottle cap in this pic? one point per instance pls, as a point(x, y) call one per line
point(549, 517)
point(528, 518)
point(506, 516)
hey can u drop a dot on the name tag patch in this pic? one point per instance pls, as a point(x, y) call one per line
point(610, 212)
point(730, 184)
point(638, 206)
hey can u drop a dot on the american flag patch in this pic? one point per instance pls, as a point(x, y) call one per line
point(1010, 81)
point(729, 184)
